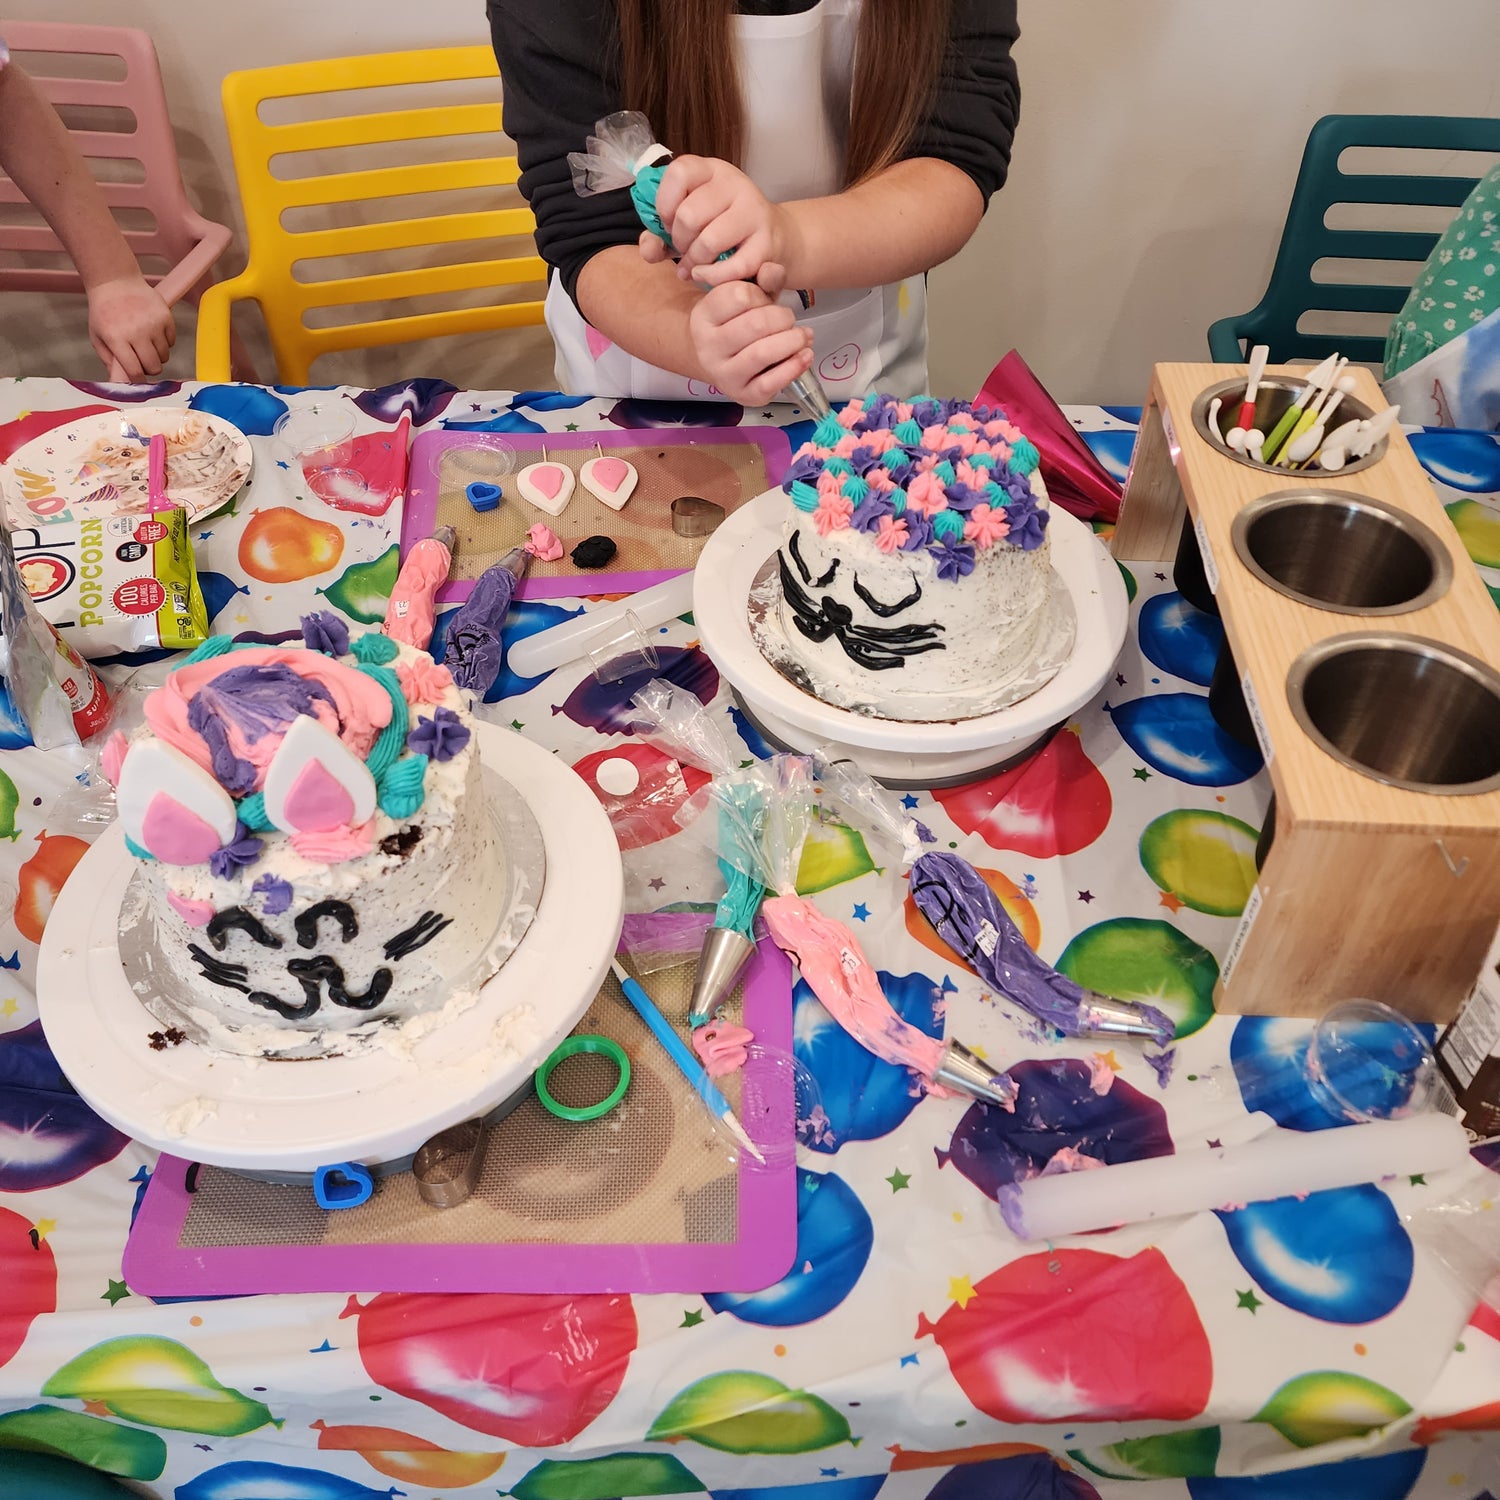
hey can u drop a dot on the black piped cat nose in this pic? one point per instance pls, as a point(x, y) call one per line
point(838, 615)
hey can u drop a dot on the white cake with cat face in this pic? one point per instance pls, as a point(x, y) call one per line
point(915, 571)
point(316, 855)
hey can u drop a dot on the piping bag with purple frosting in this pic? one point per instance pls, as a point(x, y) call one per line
point(472, 650)
point(968, 916)
point(826, 951)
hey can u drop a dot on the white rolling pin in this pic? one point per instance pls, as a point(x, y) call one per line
point(1275, 1165)
point(572, 639)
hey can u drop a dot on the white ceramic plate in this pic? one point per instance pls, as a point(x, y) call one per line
point(375, 1107)
point(94, 468)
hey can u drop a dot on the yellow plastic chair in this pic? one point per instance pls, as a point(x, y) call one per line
point(281, 256)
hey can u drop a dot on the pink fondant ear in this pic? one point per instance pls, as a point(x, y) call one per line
point(548, 478)
point(317, 801)
point(611, 472)
point(175, 835)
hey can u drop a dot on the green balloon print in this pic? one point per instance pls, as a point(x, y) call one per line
point(832, 855)
point(1325, 1406)
point(1170, 1455)
point(605, 1478)
point(90, 1441)
point(10, 800)
point(1205, 859)
point(741, 1411)
point(1137, 958)
point(158, 1383)
point(363, 590)
point(1130, 583)
point(1478, 528)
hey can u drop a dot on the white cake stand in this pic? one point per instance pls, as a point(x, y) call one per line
point(896, 752)
point(270, 1117)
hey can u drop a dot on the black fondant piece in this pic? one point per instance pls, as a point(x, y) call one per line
point(237, 918)
point(594, 552)
point(418, 935)
point(307, 922)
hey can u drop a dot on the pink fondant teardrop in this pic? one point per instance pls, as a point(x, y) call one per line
point(610, 473)
point(318, 800)
point(194, 913)
point(548, 478)
point(175, 835)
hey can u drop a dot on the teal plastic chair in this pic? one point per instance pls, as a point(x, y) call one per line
point(1307, 239)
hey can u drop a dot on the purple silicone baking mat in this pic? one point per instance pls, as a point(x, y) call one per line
point(649, 1198)
point(727, 466)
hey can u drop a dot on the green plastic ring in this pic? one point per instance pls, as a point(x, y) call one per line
point(605, 1047)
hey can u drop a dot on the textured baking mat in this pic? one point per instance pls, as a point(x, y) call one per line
point(649, 1198)
point(725, 465)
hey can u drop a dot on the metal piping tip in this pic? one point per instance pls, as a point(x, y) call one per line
point(515, 562)
point(446, 535)
point(1104, 1016)
point(808, 389)
point(965, 1072)
point(723, 956)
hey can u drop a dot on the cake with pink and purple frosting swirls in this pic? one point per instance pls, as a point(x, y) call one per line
point(915, 566)
point(314, 850)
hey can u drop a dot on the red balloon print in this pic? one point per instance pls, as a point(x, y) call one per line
point(29, 1275)
point(641, 790)
point(532, 1370)
point(1079, 1336)
point(1055, 803)
point(42, 877)
point(1475, 1419)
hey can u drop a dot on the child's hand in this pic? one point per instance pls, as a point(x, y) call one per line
point(750, 346)
point(709, 206)
point(132, 329)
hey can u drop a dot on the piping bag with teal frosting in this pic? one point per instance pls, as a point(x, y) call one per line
point(968, 916)
point(623, 153)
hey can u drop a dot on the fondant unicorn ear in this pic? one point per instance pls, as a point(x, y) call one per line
point(315, 783)
point(170, 806)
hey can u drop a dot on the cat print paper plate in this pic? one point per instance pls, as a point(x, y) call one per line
point(96, 467)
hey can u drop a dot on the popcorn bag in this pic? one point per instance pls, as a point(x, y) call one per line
point(115, 584)
point(52, 691)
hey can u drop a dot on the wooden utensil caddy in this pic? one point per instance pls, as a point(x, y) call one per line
point(1370, 889)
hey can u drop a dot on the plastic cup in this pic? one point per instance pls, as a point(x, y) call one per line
point(621, 650)
point(319, 438)
point(1367, 1062)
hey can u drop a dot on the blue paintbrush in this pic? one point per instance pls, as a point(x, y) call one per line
point(681, 1054)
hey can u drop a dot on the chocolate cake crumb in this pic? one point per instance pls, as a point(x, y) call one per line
point(401, 844)
point(171, 1037)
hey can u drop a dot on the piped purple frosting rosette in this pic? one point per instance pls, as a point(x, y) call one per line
point(968, 916)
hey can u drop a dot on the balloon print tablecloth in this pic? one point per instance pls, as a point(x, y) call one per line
point(915, 1348)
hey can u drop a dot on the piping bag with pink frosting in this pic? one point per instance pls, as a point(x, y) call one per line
point(826, 951)
point(472, 651)
point(411, 613)
point(968, 916)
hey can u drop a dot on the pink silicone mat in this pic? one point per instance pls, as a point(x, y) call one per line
point(728, 466)
point(646, 1199)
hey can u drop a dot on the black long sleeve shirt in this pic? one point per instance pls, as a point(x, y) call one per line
point(560, 71)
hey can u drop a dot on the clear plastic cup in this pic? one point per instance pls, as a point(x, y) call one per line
point(321, 438)
point(622, 649)
point(1367, 1062)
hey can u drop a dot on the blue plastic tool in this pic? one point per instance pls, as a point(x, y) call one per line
point(483, 496)
point(344, 1184)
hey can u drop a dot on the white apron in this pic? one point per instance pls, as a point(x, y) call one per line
point(796, 77)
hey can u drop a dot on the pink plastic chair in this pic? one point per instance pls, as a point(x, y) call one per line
point(179, 235)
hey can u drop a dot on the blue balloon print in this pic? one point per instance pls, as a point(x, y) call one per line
point(548, 400)
point(861, 1487)
point(218, 590)
point(1180, 639)
point(257, 1481)
point(1027, 1476)
point(422, 400)
point(526, 617)
point(755, 742)
point(1130, 414)
point(1342, 1256)
point(1113, 448)
point(633, 412)
point(1390, 1477)
point(131, 393)
point(606, 706)
point(1056, 1109)
point(863, 1097)
point(798, 433)
point(506, 421)
point(253, 410)
point(1269, 1058)
point(834, 1236)
point(1468, 461)
point(1174, 733)
point(14, 735)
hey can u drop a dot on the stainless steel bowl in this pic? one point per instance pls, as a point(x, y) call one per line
point(1340, 551)
point(1406, 711)
point(1272, 400)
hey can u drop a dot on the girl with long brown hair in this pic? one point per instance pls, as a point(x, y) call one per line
point(841, 148)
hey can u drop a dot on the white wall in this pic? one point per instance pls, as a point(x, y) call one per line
point(1158, 146)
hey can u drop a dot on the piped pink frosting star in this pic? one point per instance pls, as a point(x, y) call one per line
point(936, 438)
point(967, 474)
point(833, 514)
point(965, 442)
point(423, 681)
point(852, 414)
point(830, 485)
point(926, 495)
point(963, 419)
point(891, 533)
point(879, 478)
point(845, 446)
point(985, 526)
point(882, 440)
